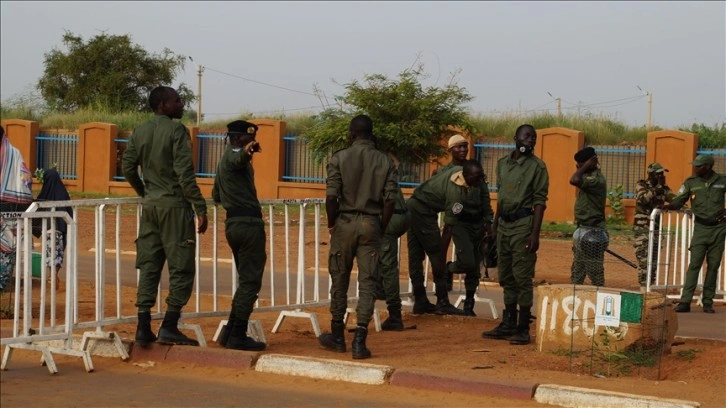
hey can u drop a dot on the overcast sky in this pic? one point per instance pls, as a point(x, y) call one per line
point(266, 57)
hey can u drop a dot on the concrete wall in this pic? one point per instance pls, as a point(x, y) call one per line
point(556, 146)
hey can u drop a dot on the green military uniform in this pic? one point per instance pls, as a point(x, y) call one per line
point(468, 220)
point(362, 178)
point(647, 196)
point(162, 147)
point(707, 242)
point(590, 239)
point(388, 258)
point(521, 184)
point(424, 235)
point(234, 187)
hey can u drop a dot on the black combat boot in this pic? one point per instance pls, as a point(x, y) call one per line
point(226, 329)
point(144, 335)
point(444, 307)
point(394, 322)
point(238, 339)
point(421, 304)
point(359, 344)
point(169, 332)
point(508, 326)
point(522, 336)
point(469, 307)
point(334, 341)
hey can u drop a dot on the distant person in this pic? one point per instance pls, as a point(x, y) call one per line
point(468, 221)
point(360, 200)
point(458, 147)
point(706, 191)
point(522, 185)
point(162, 148)
point(650, 194)
point(590, 239)
point(234, 188)
point(16, 194)
point(53, 189)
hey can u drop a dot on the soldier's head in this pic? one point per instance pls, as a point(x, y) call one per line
point(473, 173)
point(164, 100)
point(656, 174)
point(361, 127)
point(241, 132)
point(458, 147)
point(586, 156)
point(703, 165)
point(525, 138)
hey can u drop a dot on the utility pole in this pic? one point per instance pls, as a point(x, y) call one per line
point(650, 109)
point(559, 104)
point(199, 95)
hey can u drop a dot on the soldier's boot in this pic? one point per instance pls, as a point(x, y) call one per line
point(394, 322)
point(169, 332)
point(360, 351)
point(335, 340)
point(421, 304)
point(469, 307)
point(444, 307)
point(238, 339)
point(144, 335)
point(522, 335)
point(508, 326)
point(226, 330)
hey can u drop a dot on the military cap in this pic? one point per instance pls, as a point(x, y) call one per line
point(242, 127)
point(584, 154)
point(703, 160)
point(456, 140)
point(656, 168)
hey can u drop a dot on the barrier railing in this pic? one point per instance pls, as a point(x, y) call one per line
point(670, 235)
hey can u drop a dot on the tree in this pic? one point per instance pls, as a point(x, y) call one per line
point(408, 119)
point(108, 71)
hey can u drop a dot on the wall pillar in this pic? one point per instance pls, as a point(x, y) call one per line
point(21, 134)
point(556, 147)
point(96, 156)
point(675, 150)
point(269, 163)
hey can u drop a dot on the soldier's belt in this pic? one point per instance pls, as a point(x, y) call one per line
point(243, 212)
point(706, 222)
point(511, 217)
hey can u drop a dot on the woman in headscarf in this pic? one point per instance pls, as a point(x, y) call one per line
point(54, 190)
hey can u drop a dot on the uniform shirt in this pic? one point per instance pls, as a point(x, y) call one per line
point(163, 149)
point(465, 204)
point(362, 177)
point(234, 185)
point(432, 192)
point(590, 201)
point(521, 184)
point(707, 196)
point(647, 196)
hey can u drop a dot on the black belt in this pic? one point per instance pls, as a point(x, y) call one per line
point(244, 212)
point(705, 222)
point(400, 211)
point(470, 218)
point(511, 217)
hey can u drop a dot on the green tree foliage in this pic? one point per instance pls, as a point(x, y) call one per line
point(713, 137)
point(409, 119)
point(107, 71)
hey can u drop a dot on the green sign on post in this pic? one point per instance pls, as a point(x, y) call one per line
point(631, 307)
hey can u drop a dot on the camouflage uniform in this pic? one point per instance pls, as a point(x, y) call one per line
point(647, 197)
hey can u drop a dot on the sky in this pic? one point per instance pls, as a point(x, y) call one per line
point(267, 58)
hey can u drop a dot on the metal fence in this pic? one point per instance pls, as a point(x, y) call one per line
point(300, 166)
point(59, 150)
point(210, 147)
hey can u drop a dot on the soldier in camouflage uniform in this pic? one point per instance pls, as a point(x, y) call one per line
point(650, 193)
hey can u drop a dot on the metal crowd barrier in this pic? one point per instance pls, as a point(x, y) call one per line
point(671, 238)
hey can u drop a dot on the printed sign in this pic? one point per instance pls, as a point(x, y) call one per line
point(607, 309)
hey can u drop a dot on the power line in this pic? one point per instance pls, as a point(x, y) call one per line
point(259, 82)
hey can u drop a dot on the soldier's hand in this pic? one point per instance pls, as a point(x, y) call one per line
point(533, 244)
point(202, 228)
point(253, 147)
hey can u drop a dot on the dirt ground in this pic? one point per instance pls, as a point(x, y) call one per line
point(452, 346)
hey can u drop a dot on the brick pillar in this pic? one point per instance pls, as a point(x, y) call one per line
point(96, 156)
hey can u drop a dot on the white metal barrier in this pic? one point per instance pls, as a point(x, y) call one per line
point(671, 239)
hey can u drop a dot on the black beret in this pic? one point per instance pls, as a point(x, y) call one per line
point(240, 126)
point(584, 154)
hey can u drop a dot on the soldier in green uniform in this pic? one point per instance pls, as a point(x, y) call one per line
point(650, 193)
point(706, 191)
point(468, 220)
point(388, 265)
point(234, 188)
point(458, 146)
point(522, 186)
point(163, 150)
point(590, 239)
point(360, 199)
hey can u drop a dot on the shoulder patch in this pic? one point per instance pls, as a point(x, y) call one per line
point(456, 208)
